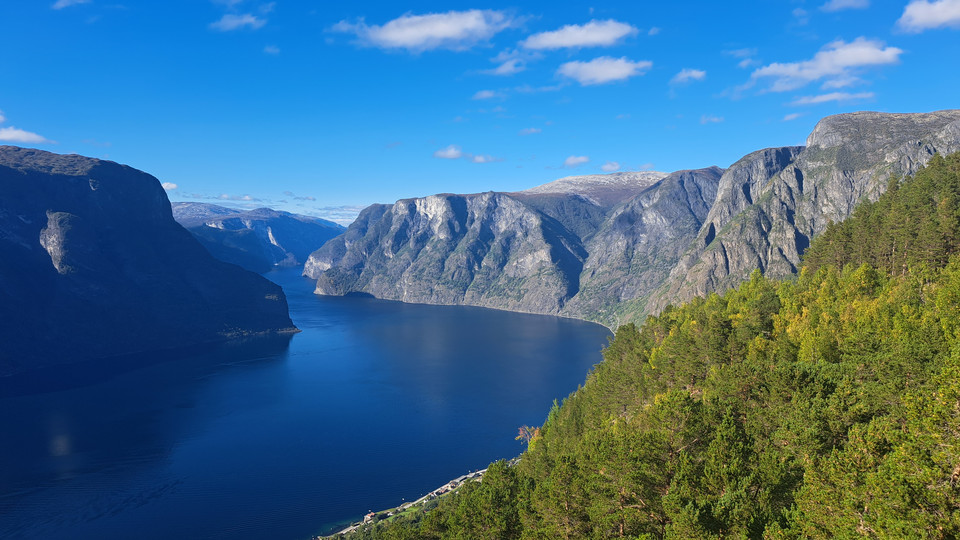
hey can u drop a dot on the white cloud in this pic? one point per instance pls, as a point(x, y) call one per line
point(920, 15)
point(514, 65)
point(801, 16)
point(687, 75)
point(487, 94)
point(575, 161)
point(836, 61)
point(834, 96)
point(169, 186)
point(12, 134)
point(60, 4)
point(451, 152)
point(454, 30)
point(232, 21)
point(455, 152)
point(653, 31)
point(271, 49)
point(838, 5)
point(593, 34)
point(710, 119)
point(610, 166)
point(603, 70)
point(530, 131)
point(792, 116)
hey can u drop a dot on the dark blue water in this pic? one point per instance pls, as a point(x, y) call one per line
point(373, 402)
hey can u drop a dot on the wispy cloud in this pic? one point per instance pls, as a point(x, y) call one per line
point(593, 34)
point(920, 15)
point(710, 119)
point(453, 30)
point(839, 5)
point(296, 197)
point(575, 161)
point(745, 55)
point(512, 61)
point(450, 152)
point(686, 75)
point(271, 49)
point(837, 60)
point(530, 131)
point(610, 166)
point(169, 186)
point(487, 94)
point(232, 21)
point(833, 96)
point(603, 70)
point(60, 4)
point(454, 151)
point(792, 116)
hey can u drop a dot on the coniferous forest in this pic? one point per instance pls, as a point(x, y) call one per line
point(820, 406)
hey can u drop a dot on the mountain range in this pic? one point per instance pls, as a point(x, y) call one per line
point(258, 240)
point(614, 248)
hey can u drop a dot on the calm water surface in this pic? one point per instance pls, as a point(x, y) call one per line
point(373, 402)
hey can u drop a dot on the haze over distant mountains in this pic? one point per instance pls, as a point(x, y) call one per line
point(257, 240)
point(612, 248)
point(93, 265)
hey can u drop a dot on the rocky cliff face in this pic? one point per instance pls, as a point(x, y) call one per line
point(612, 248)
point(93, 265)
point(638, 245)
point(771, 203)
point(257, 240)
point(487, 250)
point(522, 251)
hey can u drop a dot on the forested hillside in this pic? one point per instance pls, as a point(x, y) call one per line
point(825, 405)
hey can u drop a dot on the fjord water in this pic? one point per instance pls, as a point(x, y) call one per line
point(283, 438)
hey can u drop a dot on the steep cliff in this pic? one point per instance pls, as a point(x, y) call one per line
point(612, 248)
point(487, 249)
point(638, 245)
point(772, 202)
point(93, 265)
point(257, 240)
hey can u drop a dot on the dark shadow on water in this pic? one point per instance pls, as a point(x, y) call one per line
point(359, 294)
point(89, 372)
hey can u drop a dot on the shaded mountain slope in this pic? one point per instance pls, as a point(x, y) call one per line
point(92, 265)
point(257, 240)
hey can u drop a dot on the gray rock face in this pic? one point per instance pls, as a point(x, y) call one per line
point(486, 250)
point(591, 248)
point(771, 203)
point(93, 265)
point(257, 240)
point(521, 251)
point(638, 245)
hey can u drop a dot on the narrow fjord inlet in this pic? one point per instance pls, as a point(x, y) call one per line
point(373, 401)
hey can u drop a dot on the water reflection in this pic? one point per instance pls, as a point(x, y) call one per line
point(372, 402)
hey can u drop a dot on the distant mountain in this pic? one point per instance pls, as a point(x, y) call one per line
point(257, 240)
point(93, 265)
point(613, 248)
point(544, 250)
point(601, 189)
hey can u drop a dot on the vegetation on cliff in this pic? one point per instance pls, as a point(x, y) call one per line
point(825, 405)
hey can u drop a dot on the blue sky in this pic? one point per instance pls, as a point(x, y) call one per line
point(323, 108)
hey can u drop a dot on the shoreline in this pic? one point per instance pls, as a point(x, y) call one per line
point(445, 489)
